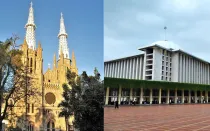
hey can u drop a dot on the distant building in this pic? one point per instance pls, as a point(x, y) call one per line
point(161, 61)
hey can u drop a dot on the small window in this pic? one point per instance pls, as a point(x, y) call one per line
point(48, 80)
point(162, 67)
point(28, 111)
point(32, 108)
point(162, 78)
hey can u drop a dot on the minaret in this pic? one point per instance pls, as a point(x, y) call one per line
point(30, 29)
point(62, 36)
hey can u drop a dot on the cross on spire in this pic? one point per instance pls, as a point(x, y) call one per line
point(49, 65)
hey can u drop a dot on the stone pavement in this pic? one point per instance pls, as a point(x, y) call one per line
point(195, 117)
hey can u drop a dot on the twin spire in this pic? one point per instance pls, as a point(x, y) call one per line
point(30, 34)
point(30, 29)
point(62, 36)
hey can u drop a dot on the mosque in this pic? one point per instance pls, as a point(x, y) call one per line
point(43, 112)
point(163, 74)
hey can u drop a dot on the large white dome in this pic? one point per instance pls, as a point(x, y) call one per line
point(167, 44)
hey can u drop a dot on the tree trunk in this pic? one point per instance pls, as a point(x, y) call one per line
point(66, 120)
point(1, 125)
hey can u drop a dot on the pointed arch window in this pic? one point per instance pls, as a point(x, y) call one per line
point(30, 127)
point(50, 126)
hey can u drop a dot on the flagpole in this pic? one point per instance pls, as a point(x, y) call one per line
point(165, 32)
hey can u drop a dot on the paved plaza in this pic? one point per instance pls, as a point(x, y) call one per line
point(195, 117)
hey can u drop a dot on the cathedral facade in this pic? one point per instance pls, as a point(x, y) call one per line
point(43, 112)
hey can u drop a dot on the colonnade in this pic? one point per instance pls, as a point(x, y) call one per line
point(165, 96)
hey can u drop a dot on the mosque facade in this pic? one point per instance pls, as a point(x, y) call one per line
point(163, 74)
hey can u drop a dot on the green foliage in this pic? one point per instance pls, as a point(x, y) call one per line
point(130, 83)
point(85, 100)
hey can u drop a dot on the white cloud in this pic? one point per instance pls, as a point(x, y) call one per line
point(148, 18)
point(136, 23)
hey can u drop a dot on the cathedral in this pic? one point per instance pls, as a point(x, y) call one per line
point(43, 112)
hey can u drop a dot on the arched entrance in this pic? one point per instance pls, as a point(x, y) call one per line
point(30, 127)
point(50, 126)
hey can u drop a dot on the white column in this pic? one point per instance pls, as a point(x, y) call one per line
point(120, 70)
point(131, 94)
point(118, 67)
point(186, 69)
point(130, 70)
point(107, 96)
point(199, 72)
point(184, 72)
point(189, 96)
point(110, 70)
point(119, 95)
point(175, 92)
point(201, 96)
point(182, 96)
point(115, 69)
point(137, 68)
point(105, 69)
point(168, 95)
point(134, 68)
point(141, 95)
point(159, 97)
point(150, 96)
point(124, 69)
point(208, 74)
point(206, 97)
point(127, 69)
point(141, 68)
point(196, 97)
point(181, 70)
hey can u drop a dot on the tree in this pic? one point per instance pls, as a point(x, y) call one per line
point(14, 81)
point(84, 100)
point(66, 105)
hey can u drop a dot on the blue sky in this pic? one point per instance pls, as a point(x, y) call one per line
point(83, 22)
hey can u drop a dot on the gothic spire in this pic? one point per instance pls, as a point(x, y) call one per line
point(62, 36)
point(62, 27)
point(54, 61)
point(30, 29)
